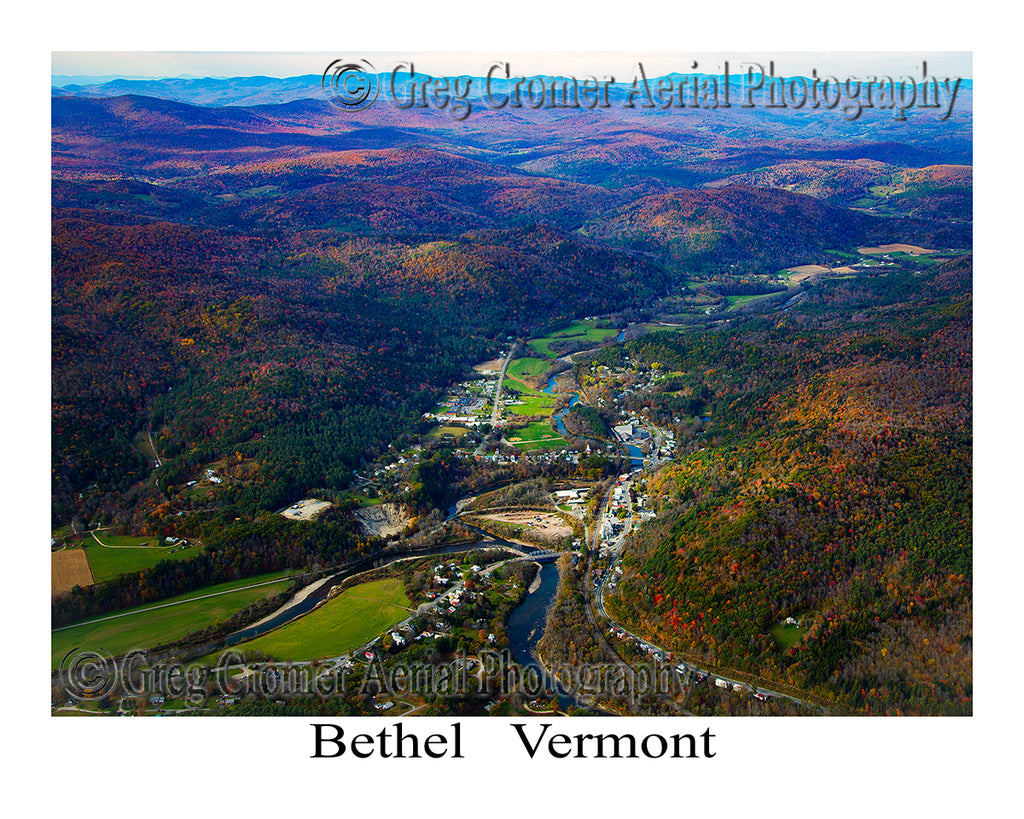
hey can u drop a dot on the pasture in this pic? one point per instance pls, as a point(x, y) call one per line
point(159, 623)
point(111, 555)
point(350, 620)
point(578, 330)
point(521, 368)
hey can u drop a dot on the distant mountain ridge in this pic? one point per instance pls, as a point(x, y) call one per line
point(260, 90)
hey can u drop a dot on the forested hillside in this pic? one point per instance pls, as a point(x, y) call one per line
point(258, 303)
point(833, 487)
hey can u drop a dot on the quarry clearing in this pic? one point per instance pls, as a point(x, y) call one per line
point(383, 520)
point(805, 271)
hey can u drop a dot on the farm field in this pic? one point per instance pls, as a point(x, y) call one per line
point(117, 554)
point(350, 620)
point(734, 300)
point(578, 330)
point(146, 626)
point(654, 327)
point(894, 248)
point(69, 568)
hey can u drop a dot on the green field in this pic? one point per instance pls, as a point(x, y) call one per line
point(785, 636)
point(364, 500)
point(455, 432)
point(583, 330)
point(128, 554)
point(553, 443)
point(521, 367)
point(660, 328)
point(744, 299)
point(147, 626)
point(350, 620)
point(538, 435)
point(534, 403)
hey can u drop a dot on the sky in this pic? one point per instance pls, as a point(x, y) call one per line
point(841, 64)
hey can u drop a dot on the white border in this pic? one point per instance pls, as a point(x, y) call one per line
point(772, 767)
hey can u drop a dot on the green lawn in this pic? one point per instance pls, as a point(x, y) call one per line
point(785, 636)
point(353, 618)
point(147, 627)
point(130, 555)
point(553, 443)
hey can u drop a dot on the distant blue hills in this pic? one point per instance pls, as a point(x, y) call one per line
point(259, 90)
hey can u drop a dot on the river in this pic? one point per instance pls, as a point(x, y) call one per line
point(526, 624)
point(304, 605)
point(636, 457)
point(526, 627)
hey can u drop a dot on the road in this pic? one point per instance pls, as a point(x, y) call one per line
point(496, 410)
point(593, 597)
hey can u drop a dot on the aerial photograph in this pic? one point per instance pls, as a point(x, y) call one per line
point(452, 384)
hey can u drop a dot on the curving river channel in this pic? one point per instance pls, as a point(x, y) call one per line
point(636, 457)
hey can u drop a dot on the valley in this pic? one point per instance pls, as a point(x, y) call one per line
point(358, 393)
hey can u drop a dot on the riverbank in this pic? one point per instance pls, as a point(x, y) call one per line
point(295, 599)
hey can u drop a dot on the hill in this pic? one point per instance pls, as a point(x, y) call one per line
point(832, 488)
